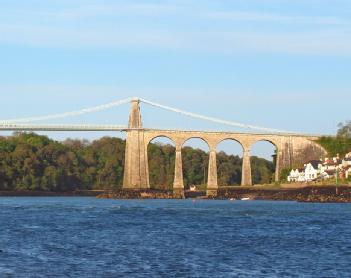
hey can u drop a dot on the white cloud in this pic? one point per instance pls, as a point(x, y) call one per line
point(98, 10)
point(84, 37)
point(72, 26)
point(80, 10)
point(275, 18)
point(180, 9)
point(329, 42)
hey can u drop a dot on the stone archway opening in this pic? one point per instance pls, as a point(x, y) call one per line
point(195, 159)
point(263, 156)
point(161, 158)
point(229, 162)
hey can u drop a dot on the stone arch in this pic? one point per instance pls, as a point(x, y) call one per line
point(195, 164)
point(261, 170)
point(161, 161)
point(273, 142)
point(160, 136)
point(196, 137)
point(232, 139)
point(229, 166)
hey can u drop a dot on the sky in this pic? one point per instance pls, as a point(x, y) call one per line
point(272, 63)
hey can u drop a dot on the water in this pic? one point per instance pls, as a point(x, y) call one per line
point(87, 237)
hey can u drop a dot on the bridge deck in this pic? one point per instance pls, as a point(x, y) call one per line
point(85, 128)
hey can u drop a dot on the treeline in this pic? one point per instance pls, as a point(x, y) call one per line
point(341, 143)
point(336, 145)
point(33, 162)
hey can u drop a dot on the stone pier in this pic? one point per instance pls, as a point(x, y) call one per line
point(246, 178)
point(178, 184)
point(136, 169)
point(212, 181)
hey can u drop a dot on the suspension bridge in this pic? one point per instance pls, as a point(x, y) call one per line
point(291, 147)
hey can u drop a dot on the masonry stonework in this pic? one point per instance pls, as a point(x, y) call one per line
point(136, 170)
point(291, 150)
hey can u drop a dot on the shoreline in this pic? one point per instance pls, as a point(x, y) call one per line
point(313, 194)
point(28, 193)
point(318, 194)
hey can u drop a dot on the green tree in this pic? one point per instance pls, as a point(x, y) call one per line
point(344, 129)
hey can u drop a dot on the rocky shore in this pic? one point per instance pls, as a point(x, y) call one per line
point(139, 194)
point(320, 194)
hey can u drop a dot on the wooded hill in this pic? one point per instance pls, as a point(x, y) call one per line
point(33, 162)
point(339, 144)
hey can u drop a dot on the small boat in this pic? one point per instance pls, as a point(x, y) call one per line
point(231, 199)
point(245, 199)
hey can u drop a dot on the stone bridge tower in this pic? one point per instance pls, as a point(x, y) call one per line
point(136, 170)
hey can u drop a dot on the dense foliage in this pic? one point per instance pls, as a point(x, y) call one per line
point(341, 144)
point(336, 145)
point(33, 162)
point(195, 167)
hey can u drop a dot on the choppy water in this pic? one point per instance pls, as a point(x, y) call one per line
point(86, 237)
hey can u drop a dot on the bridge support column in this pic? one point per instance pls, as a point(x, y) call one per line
point(178, 184)
point(136, 168)
point(246, 179)
point(212, 181)
point(278, 166)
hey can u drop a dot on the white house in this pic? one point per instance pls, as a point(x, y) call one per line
point(312, 170)
point(348, 172)
point(327, 174)
point(309, 173)
point(297, 175)
point(347, 161)
point(316, 169)
point(331, 164)
point(294, 175)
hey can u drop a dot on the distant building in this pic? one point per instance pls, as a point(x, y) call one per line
point(347, 160)
point(331, 164)
point(312, 170)
point(296, 176)
point(348, 172)
point(316, 169)
point(327, 174)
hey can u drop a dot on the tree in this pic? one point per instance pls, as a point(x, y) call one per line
point(344, 129)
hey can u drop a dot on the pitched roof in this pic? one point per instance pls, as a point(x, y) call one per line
point(315, 163)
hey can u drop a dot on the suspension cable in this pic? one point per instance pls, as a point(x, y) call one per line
point(123, 101)
point(211, 119)
point(68, 114)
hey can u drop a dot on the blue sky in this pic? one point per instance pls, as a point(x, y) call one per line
point(275, 63)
